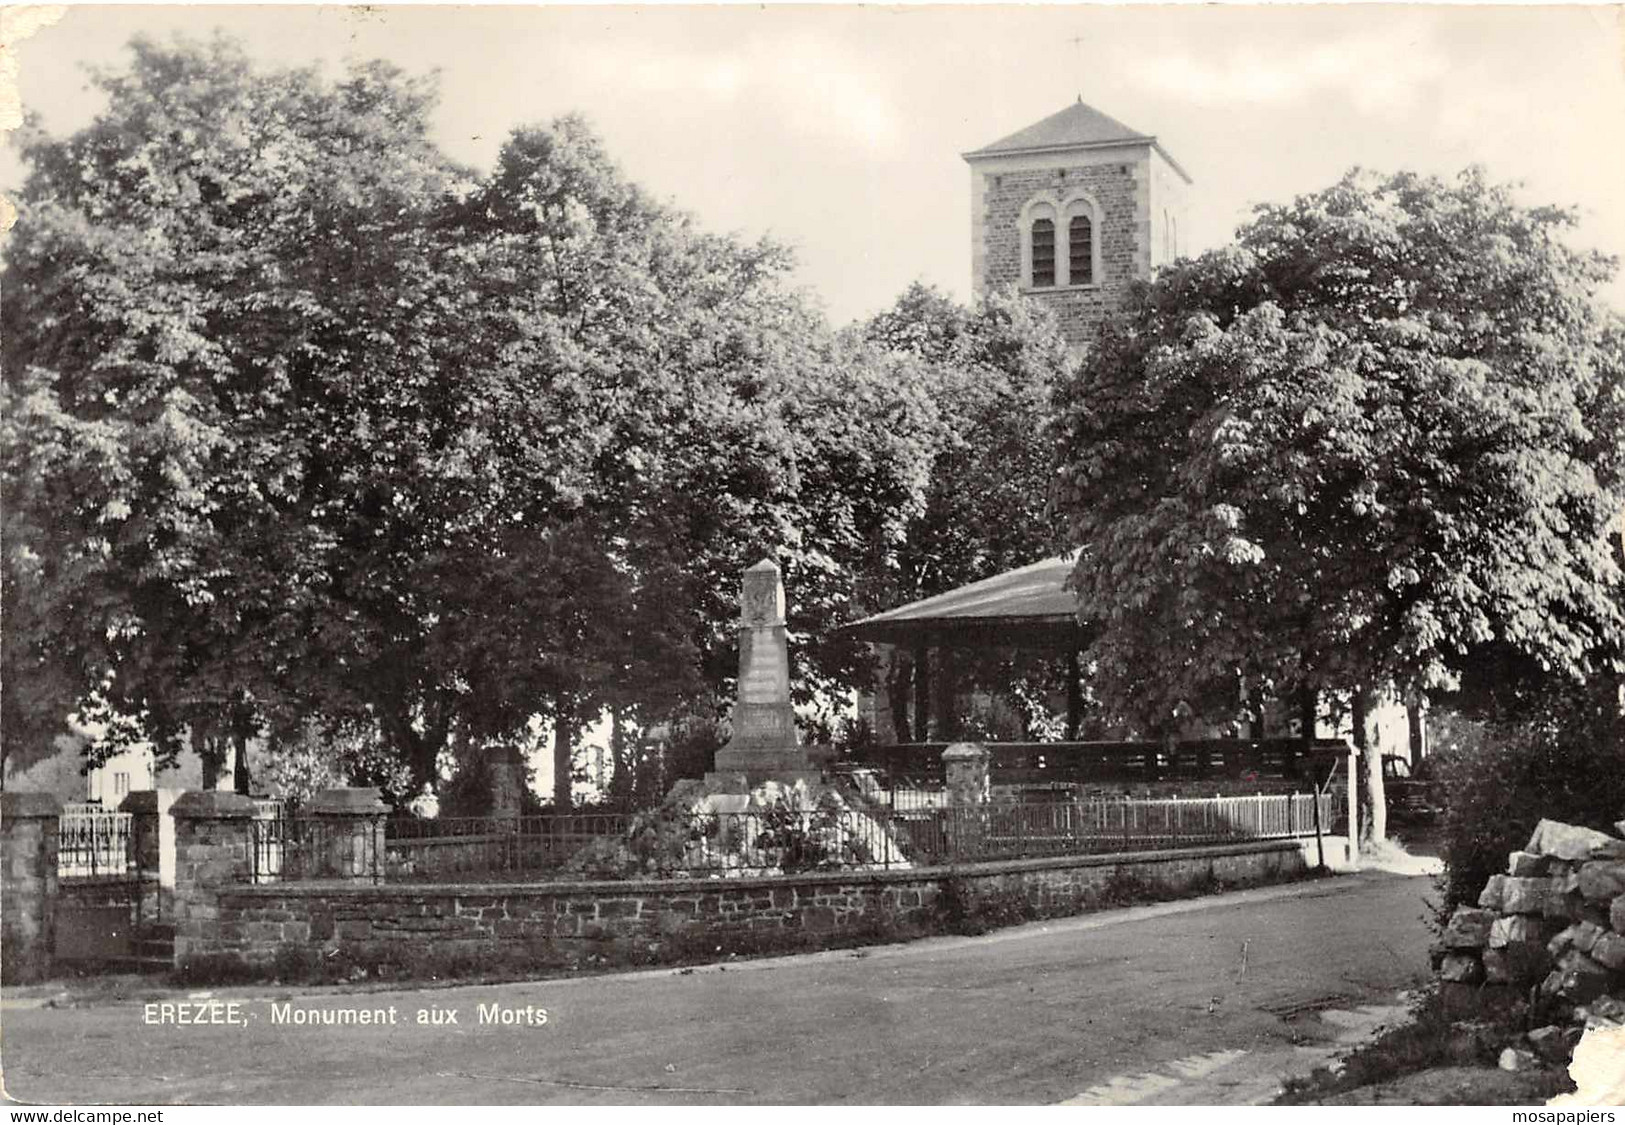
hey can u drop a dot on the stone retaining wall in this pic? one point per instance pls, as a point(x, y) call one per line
point(648, 921)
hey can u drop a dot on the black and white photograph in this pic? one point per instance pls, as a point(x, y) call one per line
point(812, 555)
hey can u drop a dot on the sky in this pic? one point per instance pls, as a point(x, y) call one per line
point(839, 129)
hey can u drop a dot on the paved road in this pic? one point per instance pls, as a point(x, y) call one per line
point(1199, 1002)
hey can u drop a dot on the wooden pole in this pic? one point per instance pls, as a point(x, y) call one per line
point(1354, 805)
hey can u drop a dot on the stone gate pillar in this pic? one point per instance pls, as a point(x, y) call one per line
point(28, 886)
point(505, 768)
point(214, 851)
point(348, 827)
point(966, 774)
point(969, 785)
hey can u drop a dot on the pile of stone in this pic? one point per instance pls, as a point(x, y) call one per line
point(1554, 924)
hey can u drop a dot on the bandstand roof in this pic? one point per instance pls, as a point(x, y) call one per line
point(1026, 607)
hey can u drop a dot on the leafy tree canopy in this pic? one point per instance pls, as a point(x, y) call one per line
point(1379, 434)
point(304, 423)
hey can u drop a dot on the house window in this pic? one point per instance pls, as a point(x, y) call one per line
point(1080, 267)
point(1043, 242)
point(121, 784)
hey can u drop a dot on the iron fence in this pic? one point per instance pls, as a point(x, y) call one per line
point(765, 840)
point(894, 791)
point(286, 847)
point(1100, 825)
point(95, 843)
point(492, 847)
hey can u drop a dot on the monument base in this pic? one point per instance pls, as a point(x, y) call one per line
point(752, 766)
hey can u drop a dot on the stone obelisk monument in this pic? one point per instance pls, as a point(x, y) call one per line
point(764, 746)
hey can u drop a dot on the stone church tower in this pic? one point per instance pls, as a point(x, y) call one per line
point(1071, 210)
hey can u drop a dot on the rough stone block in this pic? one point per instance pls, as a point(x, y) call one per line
point(1565, 841)
point(1518, 963)
point(1494, 889)
point(1581, 936)
point(1586, 935)
point(1516, 1059)
point(1526, 865)
point(1468, 929)
point(1609, 950)
point(1461, 968)
point(1511, 928)
point(1602, 880)
point(1604, 1011)
point(1550, 1043)
point(819, 920)
point(1583, 980)
point(1534, 896)
point(1616, 915)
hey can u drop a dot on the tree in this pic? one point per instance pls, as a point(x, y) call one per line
point(989, 371)
point(1378, 435)
point(306, 425)
point(211, 295)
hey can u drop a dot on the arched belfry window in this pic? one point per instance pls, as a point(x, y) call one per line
point(1080, 250)
point(1043, 253)
point(1060, 241)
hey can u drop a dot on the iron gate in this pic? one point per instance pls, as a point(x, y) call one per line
point(110, 908)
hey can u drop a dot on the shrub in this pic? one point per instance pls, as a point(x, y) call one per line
point(1563, 761)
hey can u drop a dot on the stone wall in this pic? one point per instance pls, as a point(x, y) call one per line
point(1556, 919)
point(1551, 932)
point(642, 922)
point(28, 883)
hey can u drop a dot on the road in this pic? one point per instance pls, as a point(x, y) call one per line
point(1207, 1001)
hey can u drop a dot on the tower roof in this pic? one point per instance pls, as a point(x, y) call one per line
point(1076, 126)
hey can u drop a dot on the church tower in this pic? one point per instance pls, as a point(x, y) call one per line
point(1071, 210)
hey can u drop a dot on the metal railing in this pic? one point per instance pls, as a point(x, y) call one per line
point(95, 843)
point(886, 790)
point(284, 847)
point(493, 847)
point(1096, 763)
point(1100, 825)
point(773, 840)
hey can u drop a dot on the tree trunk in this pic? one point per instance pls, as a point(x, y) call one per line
point(622, 785)
point(1416, 717)
point(563, 758)
point(1074, 696)
point(1374, 817)
point(208, 753)
point(239, 761)
point(1252, 704)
